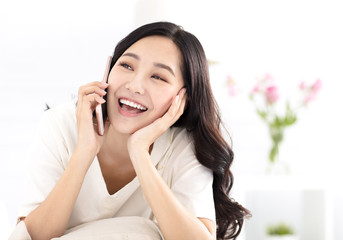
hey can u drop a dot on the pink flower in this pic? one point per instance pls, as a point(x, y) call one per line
point(232, 86)
point(303, 85)
point(268, 77)
point(312, 91)
point(233, 91)
point(272, 94)
point(317, 86)
point(309, 97)
point(260, 86)
point(254, 91)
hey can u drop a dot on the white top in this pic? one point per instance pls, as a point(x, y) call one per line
point(172, 154)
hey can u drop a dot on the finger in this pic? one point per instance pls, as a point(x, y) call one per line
point(180, 103)
point(89, 91)
point(174, 111)
point(88, 106)
point(177, 101)
point(93, 99)
point(89, 88)
point(95, 83)
point(92, 89)
point(182, 98)
point(169, 115)
point(99, 91)
point(89, 103)
point(181, 107)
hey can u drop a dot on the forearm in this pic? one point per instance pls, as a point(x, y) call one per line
point(174, 220)
point(51, 217)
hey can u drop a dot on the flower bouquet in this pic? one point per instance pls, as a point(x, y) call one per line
point(265, 95)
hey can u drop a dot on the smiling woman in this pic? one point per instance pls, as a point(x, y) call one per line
point(162, 157)
point(148, 75)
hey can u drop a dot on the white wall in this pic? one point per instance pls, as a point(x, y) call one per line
point(49, 49)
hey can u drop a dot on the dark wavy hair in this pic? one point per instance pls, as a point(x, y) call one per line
point(201, 118)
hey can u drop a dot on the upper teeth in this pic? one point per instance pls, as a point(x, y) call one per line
point(132, 104)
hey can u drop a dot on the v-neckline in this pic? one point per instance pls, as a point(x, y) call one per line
point(102, 181)
point(160, 147)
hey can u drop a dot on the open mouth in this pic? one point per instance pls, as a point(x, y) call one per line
point(131, 107)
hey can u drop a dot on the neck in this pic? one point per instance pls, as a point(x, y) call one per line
point(114, 149)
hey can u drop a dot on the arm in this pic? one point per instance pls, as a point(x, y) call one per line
point(51, 217)
point(175, 221)
point(173, 218)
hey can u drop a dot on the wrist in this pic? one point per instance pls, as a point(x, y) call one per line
point(139, 157)
point(82, 158)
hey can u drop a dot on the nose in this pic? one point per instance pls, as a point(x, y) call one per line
point(135, 85)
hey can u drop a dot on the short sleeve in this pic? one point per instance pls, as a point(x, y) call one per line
point(194, 190)
point(20, 232)
point(190, 181)
point(47, 158)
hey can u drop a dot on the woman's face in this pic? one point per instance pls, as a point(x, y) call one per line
point(143, 83)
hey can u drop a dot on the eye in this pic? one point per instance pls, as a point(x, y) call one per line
point(158, 78)
point(125, 65)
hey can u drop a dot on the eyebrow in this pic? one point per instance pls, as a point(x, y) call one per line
point(132, 55)
point(159, 65)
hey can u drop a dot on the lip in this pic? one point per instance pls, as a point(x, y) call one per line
point(126, 113)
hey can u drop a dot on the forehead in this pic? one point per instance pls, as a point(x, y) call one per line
point(157, 49)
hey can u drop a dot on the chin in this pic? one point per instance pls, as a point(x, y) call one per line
point(125, 127)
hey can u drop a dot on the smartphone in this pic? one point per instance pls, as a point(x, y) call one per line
point(100, 116)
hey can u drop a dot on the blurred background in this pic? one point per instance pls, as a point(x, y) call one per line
point(49, 48)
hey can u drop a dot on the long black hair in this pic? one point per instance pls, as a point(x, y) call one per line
point(201, 118)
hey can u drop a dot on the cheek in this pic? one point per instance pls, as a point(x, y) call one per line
point(114, 79)
point(163, 102)
point(110, 97)
point(111, 101)
point(111, 75)
point(114, 83)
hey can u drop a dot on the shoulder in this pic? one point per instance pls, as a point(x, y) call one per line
point(62, 114)
point(57, 129)
point(178, 142)
point(60, 118)
point(180, 137)
point(180, 156)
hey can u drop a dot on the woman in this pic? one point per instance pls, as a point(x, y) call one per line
point(162, 156)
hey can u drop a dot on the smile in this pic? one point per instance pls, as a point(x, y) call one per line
point(131, 106)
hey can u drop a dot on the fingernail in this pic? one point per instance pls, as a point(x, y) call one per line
point(183, 90)
point(100, 100)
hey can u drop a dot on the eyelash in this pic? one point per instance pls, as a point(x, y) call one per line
point(125, 65)
point(158, 78)
point(155, 76)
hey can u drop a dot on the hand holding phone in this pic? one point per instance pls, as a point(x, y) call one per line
point(98, 109)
